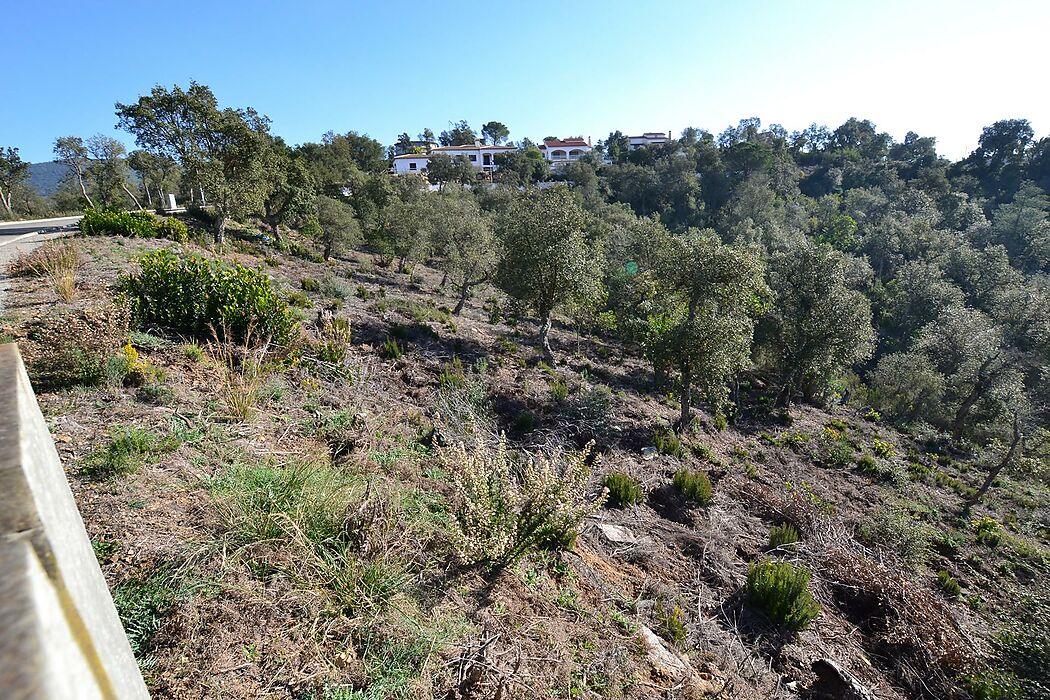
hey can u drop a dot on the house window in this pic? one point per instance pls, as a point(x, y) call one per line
point(411, 166)
point(473, 159)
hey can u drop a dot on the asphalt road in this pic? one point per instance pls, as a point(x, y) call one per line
point(10, 229)
point(17, 237)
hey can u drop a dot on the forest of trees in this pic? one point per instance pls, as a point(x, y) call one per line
point(825, 265)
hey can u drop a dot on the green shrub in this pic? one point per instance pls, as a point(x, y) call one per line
point(867, 464)
point(897, 530)
point(783, 535)
point(667, 443)
point(193, 352)
point(309, 284)
point(333, 339)
point(174, 230)
point(720, 422)
point(390, 350)
point(133, 224)
point(199, 296)
point(298, 299)
point(559, 390)
point(452, 374)
point(988, 531)
point(525, 422)
point(694, 485)
point(623, 490)
point(882, 448)
point(670, 622)
point(781, 591)
point(948, 584)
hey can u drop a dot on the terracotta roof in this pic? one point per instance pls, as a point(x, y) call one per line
point(564, 143)
point(411, 155)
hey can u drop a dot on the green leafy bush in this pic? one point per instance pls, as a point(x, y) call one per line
point(174, 230)
point(133, 224)
point(309, 284)
point(781, 591)
point(783, 535)
point(559, 390)
point(694, 485)
point(195, 295)
point(623, 490)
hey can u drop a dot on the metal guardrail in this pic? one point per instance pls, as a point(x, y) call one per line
point(60, 635)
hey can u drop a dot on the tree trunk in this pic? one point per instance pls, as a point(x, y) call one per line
point(275, 229)
point(220, 228)
point(203, 200)
point(686, 397)
point(6, 199)
point(993, 474)
point(545, 330)
point(463, 292)
point(130, 194)
point(83, 189)
point(149, 197)
point(329, 245)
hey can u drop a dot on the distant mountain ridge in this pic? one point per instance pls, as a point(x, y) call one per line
point(46, 177)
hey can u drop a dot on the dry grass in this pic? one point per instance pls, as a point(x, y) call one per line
point(242, 367)
point(55, 261)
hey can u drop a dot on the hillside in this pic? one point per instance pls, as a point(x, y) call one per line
point(284, 524)
point(46, 177)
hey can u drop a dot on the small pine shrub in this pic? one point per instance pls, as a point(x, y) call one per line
point(452, 374)
point(667, 443)
point(199, 296)
point(783, 535)
point(309, 284)
point(720, 422)
point(623, 490)
point(390, 349)
point(525, 422)
point(948, 584)
point(694, 485)
point(298, 299)
point(559, 390)
point(670, 622)
point(781, 591)
point(867, 464)
point(193, 352)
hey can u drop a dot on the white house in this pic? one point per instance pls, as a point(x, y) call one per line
point(479, 155)
point(649, 138)
point(558, 152)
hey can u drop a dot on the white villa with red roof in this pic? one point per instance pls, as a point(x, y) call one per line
point(558, 152)
point(481, 156)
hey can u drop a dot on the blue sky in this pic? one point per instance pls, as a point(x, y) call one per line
point(940, 68)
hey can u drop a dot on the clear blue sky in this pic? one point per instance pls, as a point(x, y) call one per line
point(941, 68)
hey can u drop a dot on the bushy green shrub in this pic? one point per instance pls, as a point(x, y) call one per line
point(623, 490)
point(694, 485)
point(390, 350)
point(133, 224)
point(195, 295)
point(125, 453)
point(309, 284)
point(781, 591)
point(174, 230)
point(948, 584)
point(667, 443)
point(783, 535)
point(559, 390)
